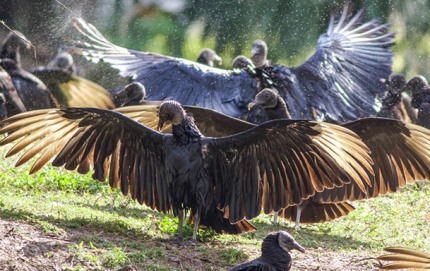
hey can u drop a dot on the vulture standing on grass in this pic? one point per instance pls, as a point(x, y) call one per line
point(68, 88)
point(33, 92)
point(404, 258)
point(275, 254)
point(339, 82)
point(400, 151)
point(221, 180)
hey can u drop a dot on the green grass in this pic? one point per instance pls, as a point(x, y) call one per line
point(110, 231)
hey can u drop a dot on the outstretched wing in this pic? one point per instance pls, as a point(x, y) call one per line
point(210, 122)
point(404, 258)
point(401, 155)
point(281, 162)
point(168, 78)
point(341, 80)
point(106, 141)
point(73, 91)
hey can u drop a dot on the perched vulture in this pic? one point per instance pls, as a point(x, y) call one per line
point(275, 254)
point(242, 62)
point(339, 82)
point(400, 151)
point(420, 90)
point(259, 54)
point(12, 104)
point(221, 180)
point(404, 258)
point(33, 93)
point(70, 89)
point(209, 57)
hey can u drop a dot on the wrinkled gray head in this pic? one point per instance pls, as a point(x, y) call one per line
point(259, 53)
point(267, 98)
point(287, 242)
point(209, 57)
point(416, 83)
point(170, 111)
point(397, 83)
point(241, 62)
point(63, 60)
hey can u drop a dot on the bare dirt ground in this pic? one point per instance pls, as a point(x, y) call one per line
point(26, 247)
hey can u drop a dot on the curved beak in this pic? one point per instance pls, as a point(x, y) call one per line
point(254, 50)
point(160, 124)
point(251, 105)
point(218, 60)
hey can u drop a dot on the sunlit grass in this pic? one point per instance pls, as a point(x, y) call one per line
point(117, 231)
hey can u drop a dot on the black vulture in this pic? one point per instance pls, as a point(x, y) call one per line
point(404, 258)
point(242, 62)
point(221, 180)
point(275, 254)
point(12, 104)
point(209, 57)
point(400, 152)
point(11, 45)
point(32, 91)
point(259, 54)
point(339, 82)
point(392, 101)
point(68, 88)
point(420, 91)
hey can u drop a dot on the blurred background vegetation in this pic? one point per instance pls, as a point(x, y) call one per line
point(181, 28)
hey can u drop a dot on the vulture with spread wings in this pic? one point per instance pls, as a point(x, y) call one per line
point(339, 82)
point(222, 180)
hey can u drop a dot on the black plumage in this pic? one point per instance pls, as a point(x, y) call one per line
point(69, 89)
point(267, 167)
point(339, 82)
point(242, 62)
point(275, 254)
point(33, 92)
point(391, 103)
point(11, 103)
point(404, 258)
point(420, 91)
point(400, 153)
point(208, 57)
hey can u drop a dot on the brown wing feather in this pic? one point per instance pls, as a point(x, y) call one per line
point(318, 212)
point(401, 155)
point(84, 138)
point(267, 164)
point(405, 259)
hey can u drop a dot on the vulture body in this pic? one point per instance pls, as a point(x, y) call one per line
point(281, 161)
point(339, 82)
point(404, 258)
point(420, 91)
point(12, 104)
point(391, 103)
point(275, 254)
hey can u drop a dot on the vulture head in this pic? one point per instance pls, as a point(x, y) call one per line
point(63, 61)
point(287, 242)
point(209, 57)
point(172, 112)
point(267, 98)
point(397, 84)
point(419, 89)
point(11, 44)
point(241, 62)
point(259, 53)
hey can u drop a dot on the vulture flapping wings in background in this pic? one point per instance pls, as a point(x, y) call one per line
point(222, 180)
point(339, 82)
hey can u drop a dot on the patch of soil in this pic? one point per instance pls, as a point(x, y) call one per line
point(26, 247)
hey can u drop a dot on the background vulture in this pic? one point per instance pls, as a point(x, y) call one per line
point(340, 81)
point(274, 254)
point(222, 180)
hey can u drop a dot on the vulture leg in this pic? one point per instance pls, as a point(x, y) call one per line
point(196, 226)
point(181, 223)
point(275, 218)
point(300, 208)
